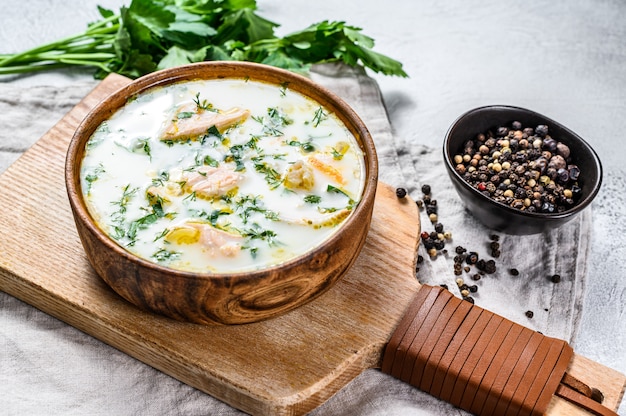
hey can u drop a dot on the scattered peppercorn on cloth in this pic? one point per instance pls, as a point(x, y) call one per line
point(73, 373)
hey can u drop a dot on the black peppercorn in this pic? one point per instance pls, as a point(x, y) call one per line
point(541, 130)
point(426, 189)
point(574, 172)
point(502, 131)
point(514, 272)
point(490, 267)
point(555, 278)
point(469, 299)
point(400, 192)
point(472, 258)
point(481, 264)
point(529, 314)
point(548, 208)
point(473, 288)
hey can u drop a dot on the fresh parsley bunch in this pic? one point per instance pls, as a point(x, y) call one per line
point(150, 35)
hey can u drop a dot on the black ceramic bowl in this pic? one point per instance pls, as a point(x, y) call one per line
point(499, 216)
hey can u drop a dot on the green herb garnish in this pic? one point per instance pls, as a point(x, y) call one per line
point(236, 154)
point(256, 232)
point(184, 114)
point(319, 116)
point(203, 104)
point(93, 176)
point(156, 34)
point(163, 255)
point(312, 199)
point(272, 177)
point(306, 147)
point(246, 205)
point(191, 197)
point(127, 194)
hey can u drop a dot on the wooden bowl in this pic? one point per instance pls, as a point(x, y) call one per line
point(222, 298)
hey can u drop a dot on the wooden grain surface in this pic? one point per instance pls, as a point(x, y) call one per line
point(284, 366)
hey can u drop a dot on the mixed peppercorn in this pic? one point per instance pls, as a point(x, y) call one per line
point(522, 167)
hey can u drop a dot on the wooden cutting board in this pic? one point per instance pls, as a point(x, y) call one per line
point(284, 366)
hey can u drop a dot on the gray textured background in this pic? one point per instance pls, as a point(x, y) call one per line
point(563, 59)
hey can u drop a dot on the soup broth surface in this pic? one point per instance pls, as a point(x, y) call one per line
point(221, 175)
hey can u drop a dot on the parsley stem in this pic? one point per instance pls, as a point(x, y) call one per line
point(24, 69)
point(92, 35)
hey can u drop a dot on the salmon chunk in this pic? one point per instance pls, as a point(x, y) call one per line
point(215, 242)
point(327, 169)
point(210, 182)
point(218, 241)
point(189, 122)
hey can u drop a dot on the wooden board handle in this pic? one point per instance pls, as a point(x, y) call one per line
point(480, 361)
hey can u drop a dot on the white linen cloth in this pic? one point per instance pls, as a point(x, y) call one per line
point(48, 365)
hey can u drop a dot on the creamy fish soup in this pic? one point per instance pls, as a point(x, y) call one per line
point(221, 175)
